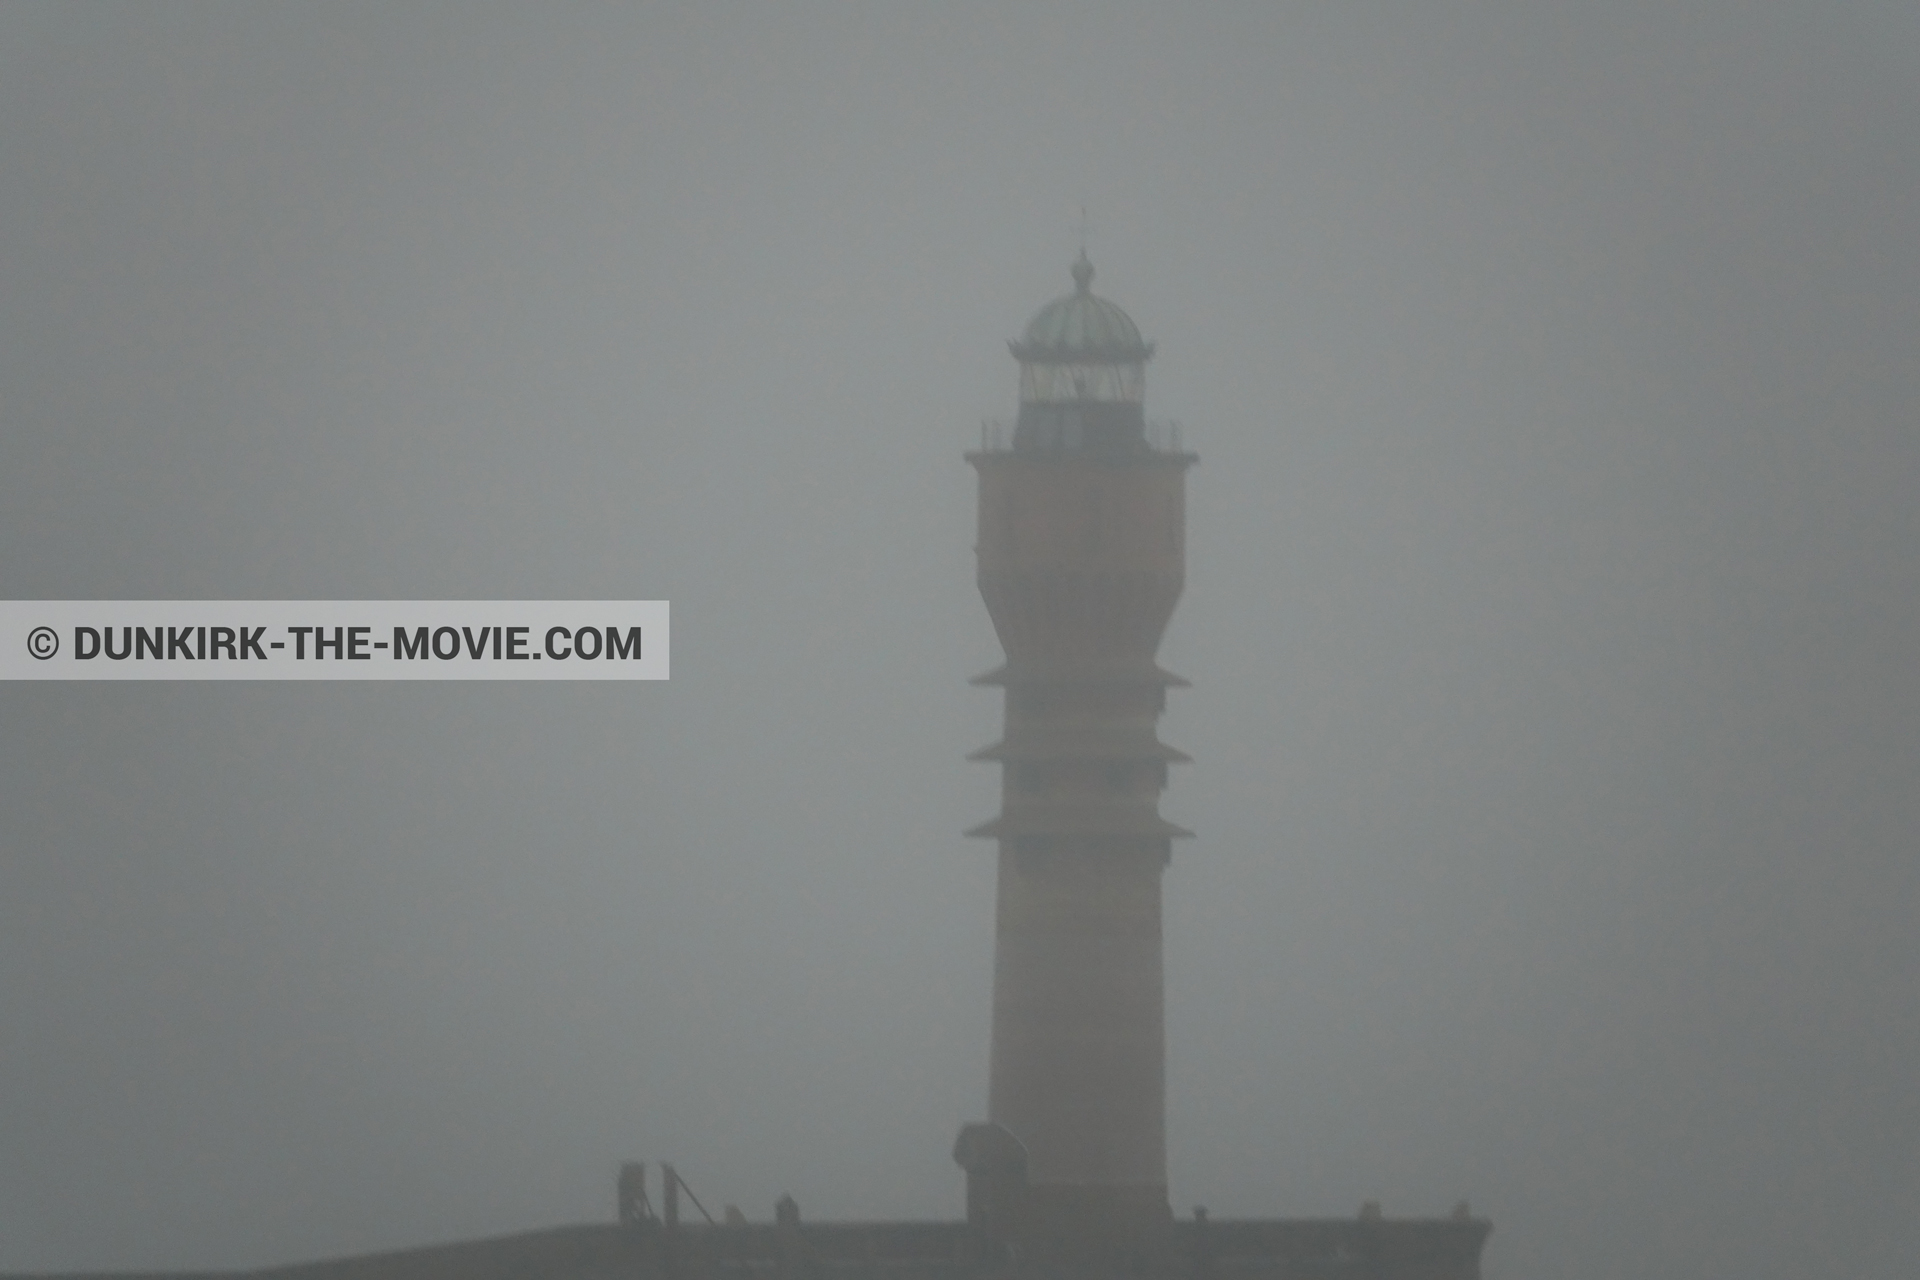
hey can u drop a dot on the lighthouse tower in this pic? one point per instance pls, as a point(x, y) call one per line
point(1081, 555)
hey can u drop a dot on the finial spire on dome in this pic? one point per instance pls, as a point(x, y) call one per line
point(1083, 272)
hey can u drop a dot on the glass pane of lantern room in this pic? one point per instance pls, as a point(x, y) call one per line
point(1066, 383)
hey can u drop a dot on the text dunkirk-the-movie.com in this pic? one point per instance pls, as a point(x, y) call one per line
point(333, 640)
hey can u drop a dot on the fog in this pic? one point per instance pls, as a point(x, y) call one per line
point(1551, 609)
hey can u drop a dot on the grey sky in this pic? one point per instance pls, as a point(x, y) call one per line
point(1552, 609)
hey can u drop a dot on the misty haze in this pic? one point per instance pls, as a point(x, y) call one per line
point(1550, 605)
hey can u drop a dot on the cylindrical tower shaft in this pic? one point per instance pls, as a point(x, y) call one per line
point(1081, 554)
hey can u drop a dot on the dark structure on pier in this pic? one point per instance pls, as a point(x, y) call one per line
point(1295, 1250)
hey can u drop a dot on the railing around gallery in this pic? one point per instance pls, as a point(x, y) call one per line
point(1162, 435)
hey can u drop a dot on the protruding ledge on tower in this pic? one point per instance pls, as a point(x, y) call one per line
point(1094, 745)
point(1080, 821)
point(1147, 673)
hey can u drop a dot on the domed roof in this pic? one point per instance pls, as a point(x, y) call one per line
point(1080, 328)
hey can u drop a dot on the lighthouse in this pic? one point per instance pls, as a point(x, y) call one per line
point(1081, 560)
